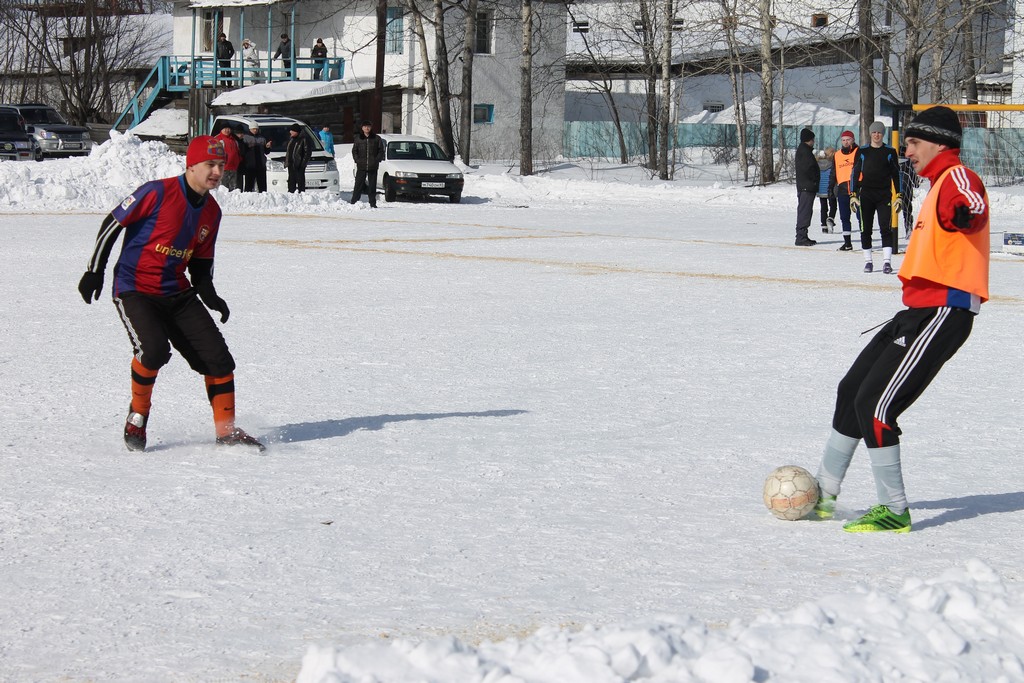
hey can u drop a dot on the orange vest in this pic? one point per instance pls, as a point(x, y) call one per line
point(844, 165)
point(952, 259)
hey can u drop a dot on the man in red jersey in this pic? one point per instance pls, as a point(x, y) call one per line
point(170, 225)
point(945, 281)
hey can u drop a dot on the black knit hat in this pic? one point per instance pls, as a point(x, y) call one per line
point(940, 125)
point(806, 135)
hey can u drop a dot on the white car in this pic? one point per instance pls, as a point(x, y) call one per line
point(321, 171)
point(417, 167)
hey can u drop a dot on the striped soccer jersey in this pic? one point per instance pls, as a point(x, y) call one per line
point(162, 232)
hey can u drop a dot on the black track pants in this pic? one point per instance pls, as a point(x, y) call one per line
point(894, 369)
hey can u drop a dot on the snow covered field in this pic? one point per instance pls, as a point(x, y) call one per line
point(518, 439)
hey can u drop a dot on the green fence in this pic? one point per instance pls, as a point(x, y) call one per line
point(997, 154)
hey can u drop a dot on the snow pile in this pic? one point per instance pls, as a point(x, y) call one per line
point(793, 114)
point(164, 123)
point(961, 626)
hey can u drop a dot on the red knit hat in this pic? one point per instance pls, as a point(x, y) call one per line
point(848, 134)
point(204, 148)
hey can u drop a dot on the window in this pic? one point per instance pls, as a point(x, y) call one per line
point(581, 27)
point(713, 107)
point(394, 43)
point(484, 33)
point(638, 26)
point(211, 28)
point(677, 24)
point(819, 20)
point(483, 113)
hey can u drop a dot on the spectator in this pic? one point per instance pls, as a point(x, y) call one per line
point(910, 182)
point(319, 55)
point(251, 57)
point(807, 175)
point(296, 157)
point(284, 51)
point(874, 179)
point(842, 168)
point(229, 178)
point(367, 152)
point(327, 138)
point(826, 189)
point(225, 51)
point(255, 148)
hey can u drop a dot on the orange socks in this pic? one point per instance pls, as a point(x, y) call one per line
point(221, 392)
point(142, 387)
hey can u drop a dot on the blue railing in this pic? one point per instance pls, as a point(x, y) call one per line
point(179, 74)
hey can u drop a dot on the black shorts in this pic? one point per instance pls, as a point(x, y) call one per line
point(156, 323)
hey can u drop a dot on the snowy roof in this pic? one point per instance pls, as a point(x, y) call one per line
point(288, 91)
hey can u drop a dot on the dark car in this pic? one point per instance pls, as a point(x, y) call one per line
point(55, 136)
point(15, 143)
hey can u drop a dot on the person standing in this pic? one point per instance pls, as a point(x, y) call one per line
point(945, 280)
point(296, 157)
point(229, 178)
point(875, 176)
point(170, 226)
point(251, 57)
point(255, 148)
point(367, 152)
point(909, 181)
point(284, 51)
point(327, 138)
point(807, 176)
point(319, 55)
point(225, 51)
point(826, 188)
point(842, 169)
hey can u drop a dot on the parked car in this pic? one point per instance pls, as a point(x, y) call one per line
point(417, 167)
point(55, 136)
point(321, 171)
point(15, 143)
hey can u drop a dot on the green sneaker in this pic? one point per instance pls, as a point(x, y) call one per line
point(880, 518)
point(825, 508)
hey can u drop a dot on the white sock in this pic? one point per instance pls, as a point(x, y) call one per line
point(887, 254)
point(867, 256)
point(835, 461)
point(885, 465)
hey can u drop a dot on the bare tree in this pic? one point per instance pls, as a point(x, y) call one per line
point(436, 72)
point(82, 56)
point(526, 92)
point(466, 96)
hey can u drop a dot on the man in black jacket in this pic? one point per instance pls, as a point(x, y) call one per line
point(367, 152)
point(225, 51)
point(255, 148)
point(296, 157)
point(807, 176)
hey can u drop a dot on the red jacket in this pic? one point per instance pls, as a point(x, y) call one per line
point(231, 148)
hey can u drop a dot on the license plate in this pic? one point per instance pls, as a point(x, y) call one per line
point(72, 145)
point(441, 185)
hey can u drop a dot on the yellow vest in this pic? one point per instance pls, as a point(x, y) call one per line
point(954, 259)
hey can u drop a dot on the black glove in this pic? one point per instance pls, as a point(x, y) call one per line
point(962, 217)
point(209, 296)
point(90, 286)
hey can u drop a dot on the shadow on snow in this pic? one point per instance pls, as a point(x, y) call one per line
point(328, 429)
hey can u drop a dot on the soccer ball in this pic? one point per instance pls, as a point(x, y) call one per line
point(790, 492)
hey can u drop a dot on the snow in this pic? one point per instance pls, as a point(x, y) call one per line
point(287, 91)
point(793, 113)
point(518, 439)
